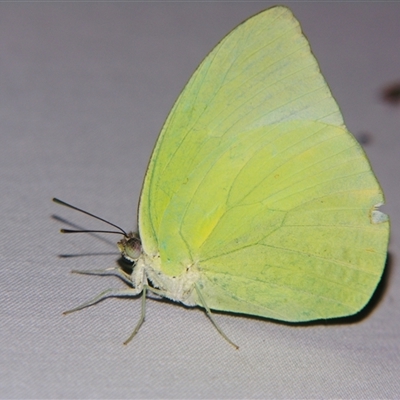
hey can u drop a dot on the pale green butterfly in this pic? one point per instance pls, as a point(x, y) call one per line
point(257, 200)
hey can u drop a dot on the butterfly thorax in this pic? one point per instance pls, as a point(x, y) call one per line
point(149, 268)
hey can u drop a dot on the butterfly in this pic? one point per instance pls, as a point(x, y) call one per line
point(257, 199)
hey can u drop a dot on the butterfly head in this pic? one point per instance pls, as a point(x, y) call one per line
point(130, 247)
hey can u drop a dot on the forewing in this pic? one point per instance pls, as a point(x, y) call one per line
point(261, 73)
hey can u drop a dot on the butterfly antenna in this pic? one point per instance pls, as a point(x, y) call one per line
point(63, 203)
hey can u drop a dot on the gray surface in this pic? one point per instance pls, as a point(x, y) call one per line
point(84, 89)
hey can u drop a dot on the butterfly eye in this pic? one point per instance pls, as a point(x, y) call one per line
point(130, 247)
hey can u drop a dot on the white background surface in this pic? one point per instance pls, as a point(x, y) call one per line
point(84, 90)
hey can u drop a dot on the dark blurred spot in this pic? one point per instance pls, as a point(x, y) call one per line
point(391, 94)
point(364, 138)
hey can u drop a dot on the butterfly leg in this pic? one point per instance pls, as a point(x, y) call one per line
point(142, 316)
point(143, 312)
point(104, 295)
point(209, 314)
point(114, 271)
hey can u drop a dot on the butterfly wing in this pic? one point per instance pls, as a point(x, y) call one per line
point(255, 181)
